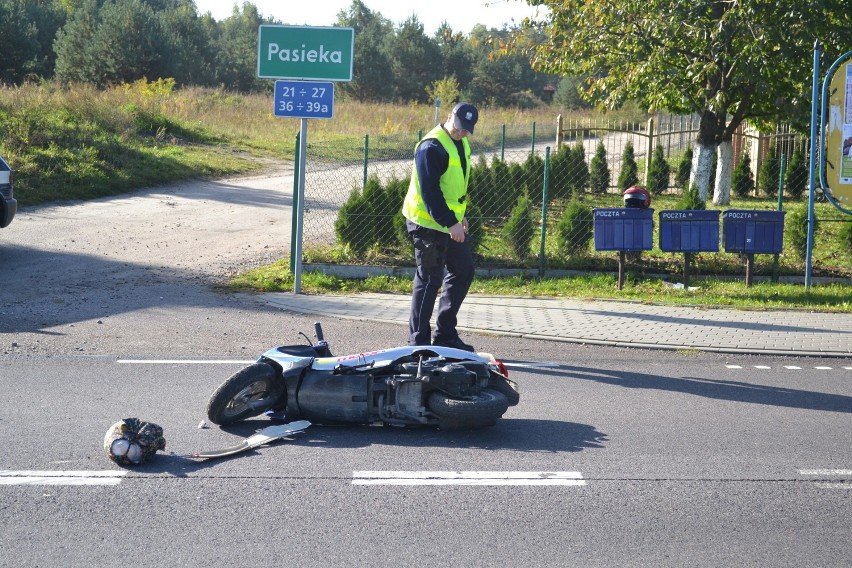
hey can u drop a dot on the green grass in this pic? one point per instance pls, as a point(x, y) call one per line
point(834, 297)
point(81, 143)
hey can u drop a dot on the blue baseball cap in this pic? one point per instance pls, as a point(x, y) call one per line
point(465, 116)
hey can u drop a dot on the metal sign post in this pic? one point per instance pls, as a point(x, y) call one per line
point(301, 53)
point(833, 110)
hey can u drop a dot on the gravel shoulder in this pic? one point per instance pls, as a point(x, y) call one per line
point(137, 273)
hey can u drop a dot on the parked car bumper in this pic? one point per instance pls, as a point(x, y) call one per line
point(8, 208)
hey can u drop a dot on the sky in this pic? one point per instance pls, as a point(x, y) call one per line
point(462, 15)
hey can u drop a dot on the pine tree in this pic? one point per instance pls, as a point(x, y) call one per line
point(658, 175)
point(629, 170)
point(599, 176)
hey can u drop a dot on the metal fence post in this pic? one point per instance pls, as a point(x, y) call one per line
point(366, 158)
point(294, 217)
point(544, 192)
point(503, 143)
point(781, 175)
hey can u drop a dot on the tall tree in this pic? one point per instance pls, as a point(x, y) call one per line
point(372, 66)
point(415, 61)
point(726, 60)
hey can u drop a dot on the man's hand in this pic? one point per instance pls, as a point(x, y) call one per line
point(457, 231)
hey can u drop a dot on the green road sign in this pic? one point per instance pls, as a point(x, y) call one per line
point(302, 52)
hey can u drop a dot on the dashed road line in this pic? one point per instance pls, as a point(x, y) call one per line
point(33, 477)
point(572, 478)
point(829, 473)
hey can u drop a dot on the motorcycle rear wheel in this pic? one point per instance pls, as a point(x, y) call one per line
point(507, 388)
point(477, 412)
point(249, 392)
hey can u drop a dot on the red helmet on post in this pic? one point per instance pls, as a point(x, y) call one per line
point(638, 197)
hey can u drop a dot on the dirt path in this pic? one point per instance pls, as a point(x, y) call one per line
point(123, 273)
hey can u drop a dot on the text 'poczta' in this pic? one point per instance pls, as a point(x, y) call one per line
point(303, 54)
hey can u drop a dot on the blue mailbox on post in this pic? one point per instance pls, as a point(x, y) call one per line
point(753, 231)
point(689, 231)
point(623, 229)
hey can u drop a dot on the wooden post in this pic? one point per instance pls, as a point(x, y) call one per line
point(558, 132)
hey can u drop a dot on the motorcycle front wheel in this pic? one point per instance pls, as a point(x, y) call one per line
point(464, 413)
point(246, 393)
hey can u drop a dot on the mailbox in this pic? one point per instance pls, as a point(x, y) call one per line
point(624, 229)
point(753, 231)
point(689, 231)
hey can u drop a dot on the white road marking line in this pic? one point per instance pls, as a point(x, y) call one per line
point(733, 366)
point(31, 477)
point(834, 485)
point(184, 362)
point(762, 367)
point(825, 472)
point(792, 367)
point(823, 368)
point(848, 368)
point(467, 478)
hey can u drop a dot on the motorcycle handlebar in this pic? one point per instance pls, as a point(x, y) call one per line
point(318, 331)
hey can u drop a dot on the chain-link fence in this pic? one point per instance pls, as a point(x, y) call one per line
point(532, 192)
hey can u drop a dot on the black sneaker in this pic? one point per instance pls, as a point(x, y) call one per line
point(455, 343)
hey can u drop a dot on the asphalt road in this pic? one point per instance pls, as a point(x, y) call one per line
point(674, 459)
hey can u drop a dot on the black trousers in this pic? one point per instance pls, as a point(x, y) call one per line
point(435, 251)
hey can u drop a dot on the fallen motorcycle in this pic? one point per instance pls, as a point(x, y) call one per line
point(402, 386)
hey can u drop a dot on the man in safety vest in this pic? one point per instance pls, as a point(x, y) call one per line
point(434, 208)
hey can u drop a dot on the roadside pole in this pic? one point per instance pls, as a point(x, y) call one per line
point(311, 57)
point(300, 215)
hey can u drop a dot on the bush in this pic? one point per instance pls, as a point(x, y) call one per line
point(796, 178)
point(355, 224)
point(684, 169)
point(385, 208)
point(629, 170)
point(658, 175)
point(560, 174)
point(599, 176)
point(574, 230)
point(578, 170)
point(796, 229)
point(690, 199)
point(742, 182)
point(768, 176)
point(533, 178)
point(519, 230)
point(475, 229)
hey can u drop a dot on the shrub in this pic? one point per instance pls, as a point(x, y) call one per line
point(796, 178)
point(475, 229)
point(658, 175)
point(385, 208)
point(690, 199)
point(767, 177)
point(578, 170)
point(684, 169)
point(355, 226)
point(519, 230)
point(560, 174)
point(599, 176)
point(629, 170)
point(742, 182)
point(574, 230)
point(533, 176)
point(796, 229)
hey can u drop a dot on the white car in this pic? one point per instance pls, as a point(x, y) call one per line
point(8, 205)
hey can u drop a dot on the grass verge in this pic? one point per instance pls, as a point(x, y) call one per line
point(832, 297)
